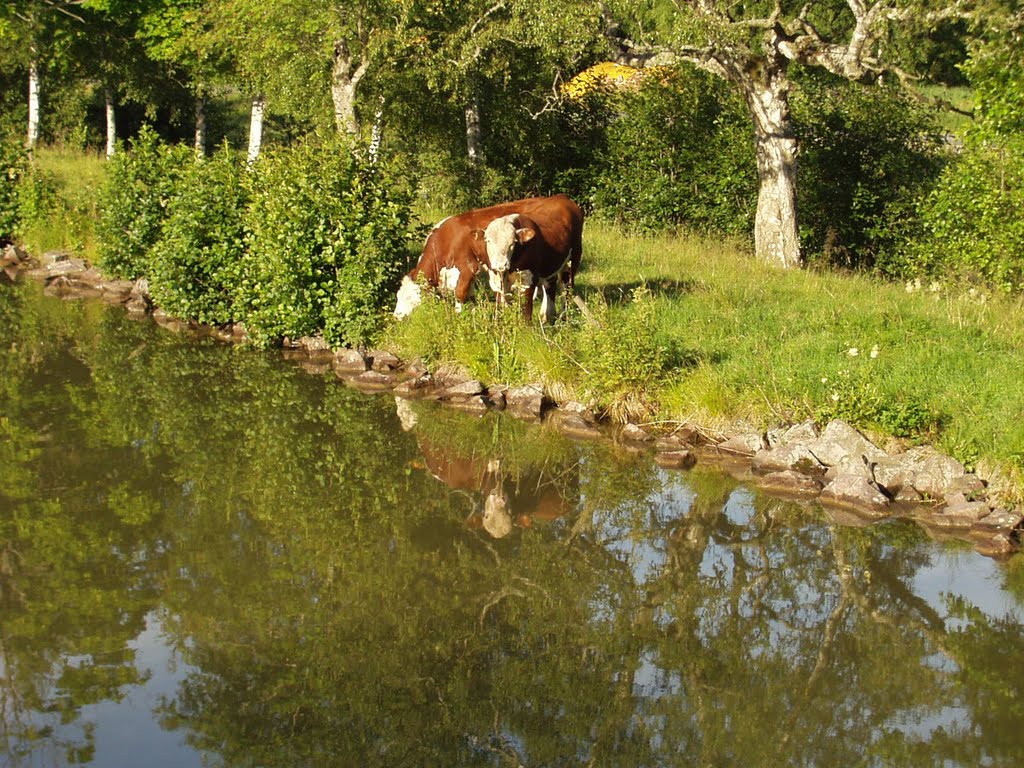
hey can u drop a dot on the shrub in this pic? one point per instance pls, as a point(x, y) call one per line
point(326, 232)
point(677, 153)
point(194, 267)
point(13, 168)
point(133, 202)
point(866, 155)
point(972, 224)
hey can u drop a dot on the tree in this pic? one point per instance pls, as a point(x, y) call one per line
point(753, 47)
point(39, 30)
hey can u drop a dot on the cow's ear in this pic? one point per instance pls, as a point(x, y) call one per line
point(525, 235)
point(478, 234)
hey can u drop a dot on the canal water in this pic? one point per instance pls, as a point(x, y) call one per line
point(209, 557)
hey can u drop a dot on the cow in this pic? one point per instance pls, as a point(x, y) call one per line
point(543, 242)
point(461, 246)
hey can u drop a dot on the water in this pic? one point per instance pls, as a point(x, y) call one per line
point(209, 557)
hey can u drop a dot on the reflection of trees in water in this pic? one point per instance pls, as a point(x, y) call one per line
point(336, 608)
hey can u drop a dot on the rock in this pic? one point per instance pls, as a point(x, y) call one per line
point(496, 396)
point(676, 459)
point(572, 406)
point(317, 348)
point(998, 521)
point(634, 434)
point(462, 390)
point(839, 440)
point(527, 401)
point(414, 387)
point(967, 484)
point(371, 381)
point(804, 432)
point(959, 512)
point(922, 468)
point(53, 257)
point(908, 495)
point(856, 492)
point(384, 362)
point(852, 465)
point(575, 426)
point(116, 291)
point(746, 444)
point(793, 456)
point(349, 362)
point(66, 266)
point(790, 483)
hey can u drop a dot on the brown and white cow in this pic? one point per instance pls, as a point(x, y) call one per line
point(494, 239)
point(543, 243)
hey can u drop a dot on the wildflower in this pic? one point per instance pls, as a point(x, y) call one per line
point(874, 351)
point(835, 397)
point(824, 379)
point(853, 351)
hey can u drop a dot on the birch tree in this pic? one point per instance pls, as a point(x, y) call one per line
point(753, 46)
point(38, 32)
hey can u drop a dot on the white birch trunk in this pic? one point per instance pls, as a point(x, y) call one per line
point(376, 133)
point(776, 237)
point(200, 142)
point(108, 97)
point(256, 128)
point(32, 139)
point(474, 149)
point(344, 82)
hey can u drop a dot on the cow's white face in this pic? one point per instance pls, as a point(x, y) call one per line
point(410, 296)
point(500, 238)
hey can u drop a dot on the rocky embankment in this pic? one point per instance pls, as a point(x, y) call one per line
point(855, 481)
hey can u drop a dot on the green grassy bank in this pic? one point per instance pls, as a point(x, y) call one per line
point(683, 329)
point(678, 329)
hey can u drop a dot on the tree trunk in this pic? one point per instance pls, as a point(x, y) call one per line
point(200, 143)
point(256, 128)
point(776, 238)
point(377, 132)
point(108, 97)
point(474, 149)
point(32, 139)
point(344, 82)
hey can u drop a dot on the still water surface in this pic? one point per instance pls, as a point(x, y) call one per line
point(210, 557)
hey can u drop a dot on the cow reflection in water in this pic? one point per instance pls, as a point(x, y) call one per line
point(510, 498)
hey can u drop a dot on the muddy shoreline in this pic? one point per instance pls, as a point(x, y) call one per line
point(855, 481)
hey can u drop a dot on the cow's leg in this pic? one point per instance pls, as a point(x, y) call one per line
point(549, 290)
point(528, 300)
point(464, 287)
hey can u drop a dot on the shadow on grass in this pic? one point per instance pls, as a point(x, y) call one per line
point(622, 293)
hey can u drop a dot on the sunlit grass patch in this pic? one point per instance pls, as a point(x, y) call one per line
point(64, 209)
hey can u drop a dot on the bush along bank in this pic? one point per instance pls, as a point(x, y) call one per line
point(854, 480)
point(309, 239)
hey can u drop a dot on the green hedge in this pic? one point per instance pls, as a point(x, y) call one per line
point(194, 266)
point(310, 239)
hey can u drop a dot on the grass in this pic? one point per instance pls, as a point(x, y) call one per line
point(68, 211)
point(684, 329)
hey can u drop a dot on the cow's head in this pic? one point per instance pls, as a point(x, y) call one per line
point(410, 296)
point(501, 238)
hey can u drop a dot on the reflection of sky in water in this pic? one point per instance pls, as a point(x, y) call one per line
point(967, 574)
point(126, 732)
